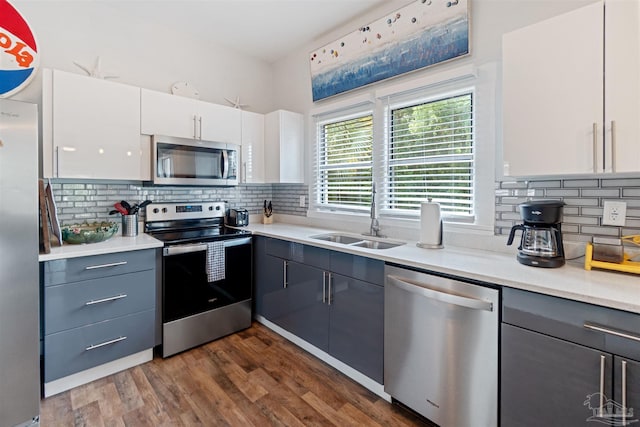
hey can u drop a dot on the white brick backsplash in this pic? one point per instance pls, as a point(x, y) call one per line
point(580, 183)
point(583, 200)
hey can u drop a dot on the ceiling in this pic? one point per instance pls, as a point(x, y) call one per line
point(264, 29)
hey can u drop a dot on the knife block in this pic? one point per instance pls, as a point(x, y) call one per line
point(267, 219)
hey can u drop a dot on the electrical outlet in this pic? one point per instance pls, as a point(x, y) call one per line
point(302, 201)
point(615, 213)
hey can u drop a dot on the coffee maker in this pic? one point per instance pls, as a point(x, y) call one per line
point(541, 243)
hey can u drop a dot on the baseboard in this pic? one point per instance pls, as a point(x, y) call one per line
point(347, 370)
point(92, 374)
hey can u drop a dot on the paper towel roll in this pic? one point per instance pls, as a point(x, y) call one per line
point(430, 224)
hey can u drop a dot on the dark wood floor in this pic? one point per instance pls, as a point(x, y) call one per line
point(253, 378)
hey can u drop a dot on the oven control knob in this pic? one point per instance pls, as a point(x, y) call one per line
point(217, 208)
point(210, 208)
point(164, 210)
point(156, 210)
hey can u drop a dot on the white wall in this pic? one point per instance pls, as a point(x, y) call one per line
point(489, 20)
point(139, 53)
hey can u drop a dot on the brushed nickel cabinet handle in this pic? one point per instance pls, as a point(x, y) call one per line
point(613, 145)
point(102, 344)
point(595, 147)
point(602, 367)
point(285, 274)
point(606, 330)
point(195, 131)
point(113, 264)
point(624, 392)
point(57, 171)
point(329, 290)
point(109, 299)
point(324, 284)
point(200, 126)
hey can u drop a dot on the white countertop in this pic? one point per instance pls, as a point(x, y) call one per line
point(572, 281)
point(115, 244)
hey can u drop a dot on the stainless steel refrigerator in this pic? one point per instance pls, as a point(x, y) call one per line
point(19, 277)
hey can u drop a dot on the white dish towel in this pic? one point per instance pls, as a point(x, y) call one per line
point(215, 261)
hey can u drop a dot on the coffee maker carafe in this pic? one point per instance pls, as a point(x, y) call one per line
point(541, 243)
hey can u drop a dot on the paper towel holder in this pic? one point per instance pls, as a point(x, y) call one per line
point(439, 245)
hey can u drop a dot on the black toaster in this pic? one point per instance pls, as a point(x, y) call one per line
point(238, 217)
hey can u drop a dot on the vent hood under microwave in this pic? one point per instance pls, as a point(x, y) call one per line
point(182, 161)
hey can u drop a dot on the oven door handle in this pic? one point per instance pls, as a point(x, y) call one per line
point(184, 249)
point(198, 247)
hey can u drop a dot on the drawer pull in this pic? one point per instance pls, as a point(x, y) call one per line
point(113, 264)
point(99, 301)
point(606, 330)
point(102, 344)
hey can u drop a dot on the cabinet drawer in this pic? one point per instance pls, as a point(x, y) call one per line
point(90, 267)
point(359, 267)
point(304, 254)
point(90, 301)
point(566, 319)
point(82, 348)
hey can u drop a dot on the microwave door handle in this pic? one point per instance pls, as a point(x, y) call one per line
point(225, 164)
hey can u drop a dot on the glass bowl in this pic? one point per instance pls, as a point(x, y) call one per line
point(88, 233)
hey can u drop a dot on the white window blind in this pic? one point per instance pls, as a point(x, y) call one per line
point(430, 154)
point(344, 163)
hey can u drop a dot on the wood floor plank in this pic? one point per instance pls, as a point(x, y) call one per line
point(252, 378)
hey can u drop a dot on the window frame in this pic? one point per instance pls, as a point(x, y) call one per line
point(482, 80)
point(392, 103)
point(323, 120)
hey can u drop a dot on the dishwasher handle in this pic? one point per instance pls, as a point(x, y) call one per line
point(419, 289)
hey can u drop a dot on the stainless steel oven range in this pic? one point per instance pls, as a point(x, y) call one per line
point(206, 273)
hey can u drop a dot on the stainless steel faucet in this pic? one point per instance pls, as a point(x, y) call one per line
point(374, 229)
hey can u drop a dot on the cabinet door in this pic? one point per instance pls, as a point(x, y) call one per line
point(546, 381)
point(626, 373)
point(219, 123)
point(166, 114)
point(553, 95)
point(284, 147)
point(252, 147)
point(95, 128)
point(307, 314)
point(356, 325)
point(268, 282)
point(622, 86)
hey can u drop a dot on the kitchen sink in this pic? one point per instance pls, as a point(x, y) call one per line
point(358, 241)
point(338, 238)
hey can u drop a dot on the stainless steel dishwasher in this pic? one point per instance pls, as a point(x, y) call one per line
point(441, 347)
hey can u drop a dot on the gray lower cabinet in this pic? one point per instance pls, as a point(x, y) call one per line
point(332, 300)
point(97, 309)
point(567, 363)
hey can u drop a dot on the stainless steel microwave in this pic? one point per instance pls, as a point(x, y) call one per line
point(182, 161)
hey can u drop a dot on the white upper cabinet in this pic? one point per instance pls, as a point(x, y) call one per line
point(91, 128)
point(252, 147)
point(622, 86)
point(570, 93)
point(172, 115)
point(284, 147)
point(552, 94)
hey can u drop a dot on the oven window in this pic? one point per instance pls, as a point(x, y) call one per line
point(187, 290)
point(179, 161)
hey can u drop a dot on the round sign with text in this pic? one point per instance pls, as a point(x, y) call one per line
point(18, 51)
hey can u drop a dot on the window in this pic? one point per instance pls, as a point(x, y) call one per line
point(344, 165)
point(429, 137)
point(429, 154)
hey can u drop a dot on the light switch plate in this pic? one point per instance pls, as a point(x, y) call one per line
point(302, 201)
point(615, 213)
